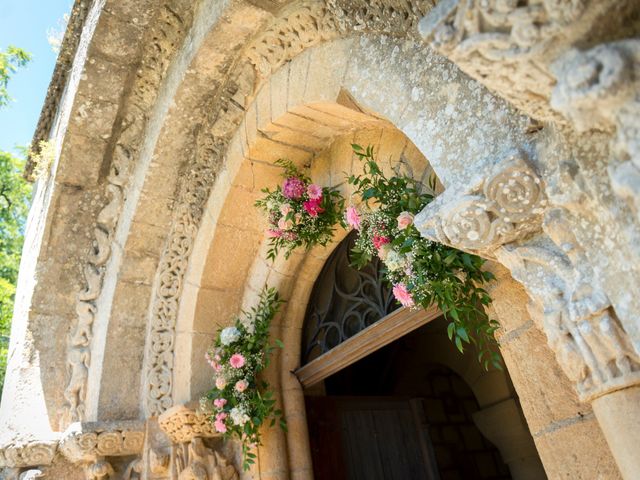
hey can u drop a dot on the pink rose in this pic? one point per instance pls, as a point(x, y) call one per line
point(402, 295)
point(297, 218)
point(285, 208)
point(220, 383)
point(237, 360)
point(219, 402)
point(312, 207)
point(293, 188)
point(383, 251)
point(379, 241)
point(353, 219)
point(242, 385)
point(404, 220)
point(314, 191)
point(284, 224)
point(274, 233)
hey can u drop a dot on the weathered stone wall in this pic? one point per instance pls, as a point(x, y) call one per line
point(143, 236)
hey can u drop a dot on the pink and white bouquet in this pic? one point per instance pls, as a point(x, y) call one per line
point(300, 213)
point(421, 272)
point(239, 403)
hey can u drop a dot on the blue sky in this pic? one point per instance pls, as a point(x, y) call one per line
point(24, 23)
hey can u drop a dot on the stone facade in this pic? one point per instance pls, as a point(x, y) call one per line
point(168, 116)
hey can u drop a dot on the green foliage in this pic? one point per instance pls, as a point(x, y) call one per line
point(14, 206)
point(296, 217)
point(426, 271)
point(10, 61)
point(242, 412)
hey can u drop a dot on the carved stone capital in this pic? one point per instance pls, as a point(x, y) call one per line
point(600, 88)
point(182, 424)
point(572, 308)
point(503, 207)
point(86, 442)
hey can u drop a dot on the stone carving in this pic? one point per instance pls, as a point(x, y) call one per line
point(500, 209)
point(18, 474)
point(581, 325)
point(86, 442)
point(133, 470)
point(182, 424)
point(599, 88)
point(315, 22)
point(194, 461)
point(501, 44)
point(100, 470)
point(158, 52)
point(29, 454)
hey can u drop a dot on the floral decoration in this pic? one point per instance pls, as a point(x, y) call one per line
point(422, 272)
point(299, 212)
point(240, 403)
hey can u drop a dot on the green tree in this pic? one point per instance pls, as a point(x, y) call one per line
point(14, 206)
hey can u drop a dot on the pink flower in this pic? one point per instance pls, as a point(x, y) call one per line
point(383, 251)
point(242, 385)
point(219, 423)
point(353, 219)
point(314, 191)
point(293, 188)
point(237, 360)
point(402, 295)
point(285, 208)
point(380, 240)
point(404, 220)
point(220, 383)
point(273, 233)
point(284, 224)
point(219, 402)
point(312, 207)
point(290, 236)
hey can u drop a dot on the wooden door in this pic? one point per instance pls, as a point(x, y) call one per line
point(368, 438)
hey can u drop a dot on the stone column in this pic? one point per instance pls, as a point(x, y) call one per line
point(505, 215)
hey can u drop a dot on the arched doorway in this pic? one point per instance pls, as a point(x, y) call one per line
point(403, 409)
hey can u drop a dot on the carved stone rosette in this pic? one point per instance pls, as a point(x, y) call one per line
point(29, 454)
point(501, 208)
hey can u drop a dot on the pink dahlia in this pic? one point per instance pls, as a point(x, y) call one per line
point(313, 208)
point(293, 188)
point(314, 191)
point(353, 219)
point(237, 360)
point(402, 294)
point(380, 240)
point(242, 385)
point(219, 402)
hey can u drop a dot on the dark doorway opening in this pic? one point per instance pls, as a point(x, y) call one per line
point(391, 417)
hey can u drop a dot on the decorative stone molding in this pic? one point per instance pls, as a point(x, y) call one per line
point(572, 308)
point(501, 44)
point(307, 25)
point(504, 207)
point(86, 442)
point(182, 424)
point(600, 89)
point(158, 53)
point(29, 454)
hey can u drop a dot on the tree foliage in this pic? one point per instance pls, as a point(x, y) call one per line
point(10, 61)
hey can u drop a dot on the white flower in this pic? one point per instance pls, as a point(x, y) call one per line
point(394, 260)
point(229, 335)
point(238, 416)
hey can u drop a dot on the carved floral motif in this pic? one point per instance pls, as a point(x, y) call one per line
point(504, 207)
point(86, 442)
point(29, 454)
point(182, 424)
point(500, 43)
